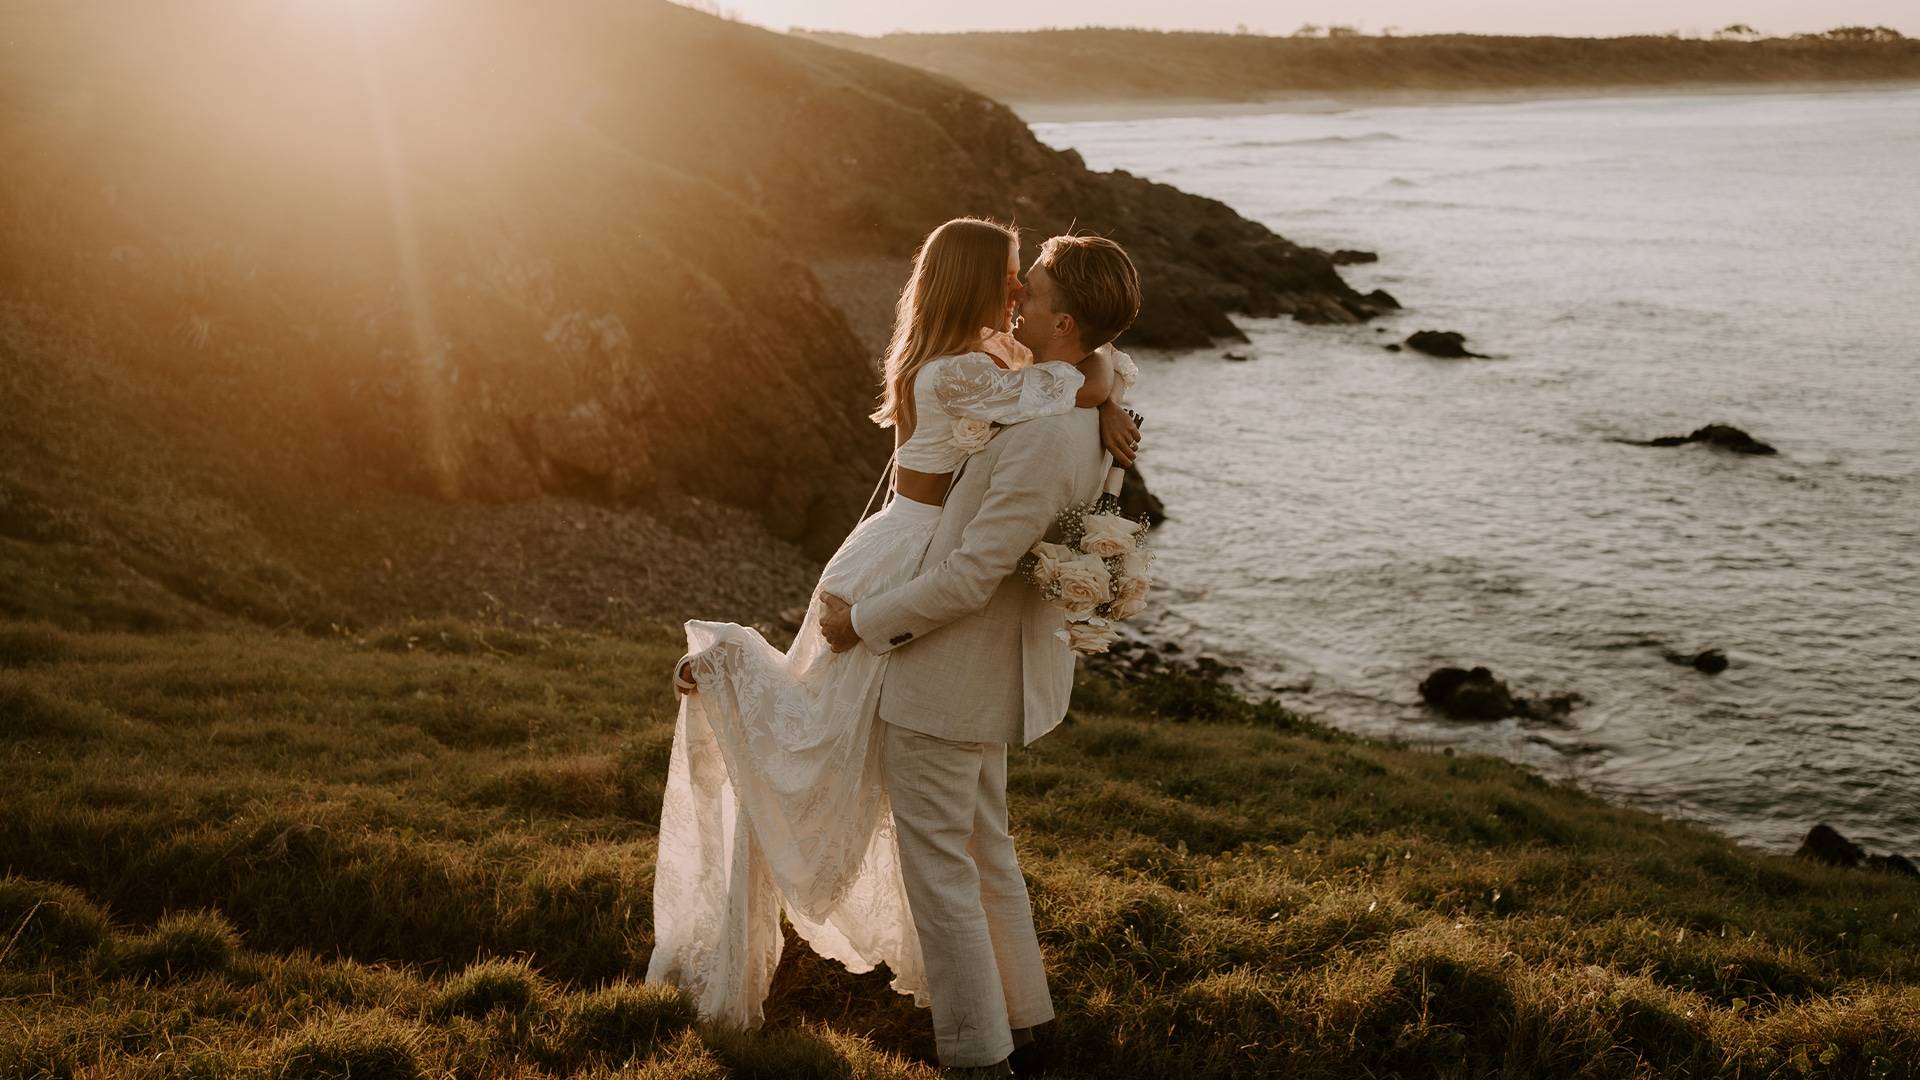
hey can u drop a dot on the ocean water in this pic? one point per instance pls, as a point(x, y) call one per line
point(1345, 519)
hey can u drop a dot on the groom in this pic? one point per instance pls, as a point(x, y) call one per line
point(983, 668)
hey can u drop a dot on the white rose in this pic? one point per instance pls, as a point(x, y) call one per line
point(1107, 535)
point(1084, 584)
point(1128, 600)
point(1131, 585)
point(971, 435)
point(1091, 636)
point(1047, 559)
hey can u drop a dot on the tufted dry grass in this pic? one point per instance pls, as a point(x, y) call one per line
point(239, 853)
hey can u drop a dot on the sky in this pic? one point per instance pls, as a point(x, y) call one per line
point(1615, 17)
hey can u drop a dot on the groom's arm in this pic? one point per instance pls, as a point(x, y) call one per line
point(1031, 483)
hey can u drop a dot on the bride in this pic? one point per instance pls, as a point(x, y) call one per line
point(774, 801)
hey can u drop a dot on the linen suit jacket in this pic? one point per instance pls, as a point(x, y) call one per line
point(975, 653)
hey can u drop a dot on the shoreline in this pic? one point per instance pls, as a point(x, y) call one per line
point(1309, 102)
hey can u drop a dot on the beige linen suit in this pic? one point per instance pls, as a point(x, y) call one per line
point(982, 668)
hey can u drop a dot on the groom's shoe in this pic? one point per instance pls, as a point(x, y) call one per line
point(1028, 1061)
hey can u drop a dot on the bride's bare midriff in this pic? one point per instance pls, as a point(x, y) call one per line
point(921, 487)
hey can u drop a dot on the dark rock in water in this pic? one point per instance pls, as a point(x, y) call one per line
point(1893, 864)
point(1552, 709)
point(1350, 257)
point(1709, 661)
point(1237, 354)
point(1136, 500)
point(1478, 695)
point(1446, 344)
point(1825, 844)
point(1468, 695)
point(1392, 348)
point(1719, 436)
point(1381, 298)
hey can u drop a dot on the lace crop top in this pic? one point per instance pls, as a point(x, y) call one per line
point(957, 398)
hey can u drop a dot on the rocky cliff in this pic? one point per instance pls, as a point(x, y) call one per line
point(486, 253)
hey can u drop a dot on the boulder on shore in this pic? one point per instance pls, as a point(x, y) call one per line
point(1893, 864)
point(1136, 501)
point(1446, 344)
point(1720, 436)
point(1476, 694)
point(1825, 844)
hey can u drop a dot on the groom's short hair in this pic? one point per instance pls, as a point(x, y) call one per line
point(1095, 282)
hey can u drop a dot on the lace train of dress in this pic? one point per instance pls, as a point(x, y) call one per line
point(775, 802)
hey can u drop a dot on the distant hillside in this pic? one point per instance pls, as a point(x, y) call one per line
point(309, 310)
point(1092, 65)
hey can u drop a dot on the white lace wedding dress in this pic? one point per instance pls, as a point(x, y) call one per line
point(774, 801)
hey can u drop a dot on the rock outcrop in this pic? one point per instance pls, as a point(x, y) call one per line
point(516, 256)
point(1136, 501)
point(1446, 344)
point(1719, 436)
point(1707, 661)
point(1825, 844)
point(1476, 694)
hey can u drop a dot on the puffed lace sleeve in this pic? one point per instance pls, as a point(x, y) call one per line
point(973, 387)
point(1124, 369)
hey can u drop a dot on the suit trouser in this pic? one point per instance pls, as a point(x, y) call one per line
point(969, 901)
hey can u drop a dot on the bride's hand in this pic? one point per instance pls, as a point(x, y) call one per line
point(1119, 433)
point(683, 683)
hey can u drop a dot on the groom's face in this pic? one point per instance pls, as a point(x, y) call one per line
point(1040, 325)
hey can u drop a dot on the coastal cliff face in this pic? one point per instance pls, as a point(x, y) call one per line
point(479, 254)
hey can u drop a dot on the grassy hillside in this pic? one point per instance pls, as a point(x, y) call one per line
point(315, 313)
point(1093, 65)
point(428, 849)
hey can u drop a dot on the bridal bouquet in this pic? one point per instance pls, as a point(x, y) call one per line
point(1097, 573)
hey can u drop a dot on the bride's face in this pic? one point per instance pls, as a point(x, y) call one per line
point(1011, 302)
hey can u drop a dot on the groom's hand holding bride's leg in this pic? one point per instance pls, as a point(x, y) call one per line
point(836, 623)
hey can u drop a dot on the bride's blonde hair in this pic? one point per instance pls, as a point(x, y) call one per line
point(958, 285)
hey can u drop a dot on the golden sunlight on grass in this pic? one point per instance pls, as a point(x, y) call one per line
point(429, 848)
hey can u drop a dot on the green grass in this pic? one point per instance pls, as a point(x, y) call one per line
point(427, 850)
